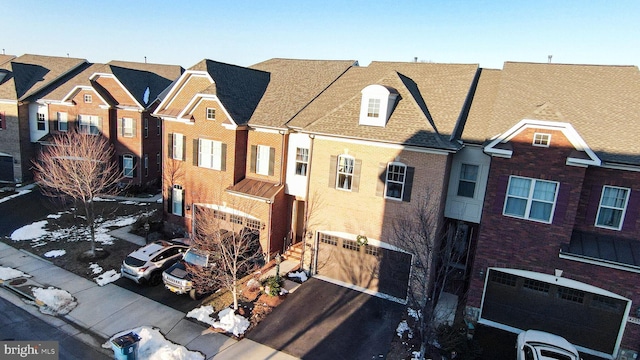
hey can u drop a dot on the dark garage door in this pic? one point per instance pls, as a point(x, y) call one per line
point(590, 320)
point(371, 267)
point(6, 168)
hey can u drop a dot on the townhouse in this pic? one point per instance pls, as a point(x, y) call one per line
point(20, 78)
point(225, 142)
point(115, 100)
point(381, 139)
point(558, 245)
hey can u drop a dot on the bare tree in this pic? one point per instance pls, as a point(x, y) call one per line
point(80, 167)
point(234, 252)
point(419, 231)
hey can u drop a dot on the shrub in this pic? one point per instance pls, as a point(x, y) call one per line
point(272, 286)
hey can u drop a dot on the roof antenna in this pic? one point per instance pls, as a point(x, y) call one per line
point(3, 52)
point(549, 56)
point(415, 59)
point(145, 59)
point(67, 54)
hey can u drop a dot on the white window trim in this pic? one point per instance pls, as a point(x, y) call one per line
point(178, 146)
point(130, 172)
point(90, 122)
point(373, 104)
point(214, 156)
point(475, 182)
point(386, 182)
point(351, 174)
point(127, 131)
point(541, 140)
point(41, 118)
point(529, 200)
point(624, 208)
point(263, 153)
point(88, 98)
point(62, 118)
point(214, 113)
point(177, 200)
point(305, 163)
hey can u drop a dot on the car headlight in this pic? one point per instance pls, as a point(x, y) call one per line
point(189, 284)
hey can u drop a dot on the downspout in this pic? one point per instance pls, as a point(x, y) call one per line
point(269, 230)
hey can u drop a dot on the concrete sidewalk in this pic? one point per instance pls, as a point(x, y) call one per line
point(103, 311)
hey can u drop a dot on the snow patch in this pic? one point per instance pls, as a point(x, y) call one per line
point(19, 193)
point(415, 314)
point(54, 216)
point(95, 268)
point(107, 277)
point(300, 275)
point(54, 301)
point(30, 232)
point(7, 273)
point(229, 320)
point(154, 346)
point(203, 314)
point(402, 328)
point(55, 253)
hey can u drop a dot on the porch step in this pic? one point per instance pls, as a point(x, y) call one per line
point(294, 252)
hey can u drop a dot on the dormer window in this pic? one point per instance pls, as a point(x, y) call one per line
point(541, 139)
point(88, 98)
point(376, 105)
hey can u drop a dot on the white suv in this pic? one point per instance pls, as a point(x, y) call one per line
point(539, 345)
point(145, 265)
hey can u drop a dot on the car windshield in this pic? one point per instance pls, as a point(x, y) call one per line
point(195, 258)
point(548, 354)
point(132, 261)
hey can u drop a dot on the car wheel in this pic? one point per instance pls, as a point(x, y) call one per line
point(155, 278)
point(194, 294)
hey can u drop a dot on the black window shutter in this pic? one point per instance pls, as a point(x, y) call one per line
point(592, 206)
point(170, 200)
point(121, 164)
point(382, 179)
point(134, 124)
point(357, 168)
point(562, 202)
point(272, 160)
point(170, 145)
point(633, 210)
point(501, 191)
point(408, 183)
point(183, 202)
point(184, 148)
point(223, 157)
point(135, 166)
point(195, 152)
point(120, 130)
point(333, 168)
point(254, 154)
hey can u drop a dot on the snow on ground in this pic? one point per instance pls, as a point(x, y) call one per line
point(54, 216)
point(154, 346)
point(415, 314)
point(55, 253)
point(402, 327)
point(229, 320)
point(7, 273)
point(97, 198)
point(299, 274)
point(54, 301)
point(107, 277)
point(95, 268)
point(21, 192)
point(30, 232)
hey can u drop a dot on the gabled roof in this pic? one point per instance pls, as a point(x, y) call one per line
point(28, 74)
point(6, 58)
point(238, 89)
point(431, 98)
point(292, 85)
point(600, 102)
point(71, 84)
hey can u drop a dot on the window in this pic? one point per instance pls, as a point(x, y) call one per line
point(211, 114)
point(63, 125)
point(178, 146)
point(41, 121)
point(262, 160)
point(530, 198)
point(571, 294)
point(536, 285)
point(503, 278)
point(540, 139)
point(210, 154)
point(350, 245)
point(253, 224)
point(177, 200)
point(328, 239)
point(127, 166)
point(128, 129)
point(613, 204)
point(236, 219)
point(146, 165)
point(217, 214)
point(89, 124)
point(344, 178)
point(302, 161)
point(394, 186)
point(468, 179)
point(373, 110)
point(88, 98)
point(146, 128)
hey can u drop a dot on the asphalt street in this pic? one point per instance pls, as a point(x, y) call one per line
point(24, 210)
point(16, 324)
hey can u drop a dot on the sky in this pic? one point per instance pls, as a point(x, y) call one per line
point(244, 32)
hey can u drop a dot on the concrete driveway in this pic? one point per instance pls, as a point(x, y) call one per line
point(321, 320)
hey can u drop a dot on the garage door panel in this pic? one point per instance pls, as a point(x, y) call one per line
point(585, 319)
point(370, 267)
point(6, 168)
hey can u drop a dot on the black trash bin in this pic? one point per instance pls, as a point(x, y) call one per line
point(125, 346)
